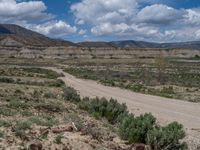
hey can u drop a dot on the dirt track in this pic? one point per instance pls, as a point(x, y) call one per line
point(166, 110)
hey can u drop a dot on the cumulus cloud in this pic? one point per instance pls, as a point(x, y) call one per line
point(12, 11)
point(99, 11)
point(132, 19)
point(193, 16)
point(55, 29)
point(33, 15)
point(160, 14)
point(82, 32)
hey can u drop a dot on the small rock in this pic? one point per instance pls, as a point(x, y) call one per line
point(37, 145)
point(65, 129)
point(139, 146)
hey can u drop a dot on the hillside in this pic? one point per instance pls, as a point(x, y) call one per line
point(143, 44)
point(24, 36)
point(14, 35)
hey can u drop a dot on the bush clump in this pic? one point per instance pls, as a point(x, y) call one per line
point(4, 123)
point(21, 127)
point(7, 80)
point(44, 121)
point(46, 72)
point(70, 94)
point(135, 129)
point(111, 110)
point(143, 129)
point(167, 137)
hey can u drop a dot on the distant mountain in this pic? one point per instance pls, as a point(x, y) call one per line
point(135, 44)
point(14, 35)
point(10, 33)
point(142, 44)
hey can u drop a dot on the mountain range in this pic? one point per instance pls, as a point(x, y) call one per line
point(14, 35)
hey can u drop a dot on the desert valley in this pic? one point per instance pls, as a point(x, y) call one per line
point(118, 95)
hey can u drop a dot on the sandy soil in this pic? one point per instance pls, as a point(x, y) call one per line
point(166, 110)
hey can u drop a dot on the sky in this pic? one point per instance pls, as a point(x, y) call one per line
point(107, 20)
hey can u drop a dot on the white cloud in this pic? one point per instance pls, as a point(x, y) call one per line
point(193, 16)
point(131, 19)
point(12, 11)
point(98, 11)
point(108, 28)
point(160, 14)
point(57, 29)
point(33, 15)
point(82, 32)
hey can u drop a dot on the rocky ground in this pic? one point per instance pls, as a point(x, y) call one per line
point(34, 114)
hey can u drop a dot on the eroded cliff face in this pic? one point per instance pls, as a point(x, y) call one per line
point(92, 53)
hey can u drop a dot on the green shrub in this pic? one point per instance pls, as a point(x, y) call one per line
point(111, 110)
point(70, 94)
point(197, 56)
point(167, 138)
point(47, 73)
point(137, 87)
point(6, 80)
point(53, 107)
point(167, 92)
point(1, 134)
point(21, 127)
point(84, 103)
point(135, 129)
point(44, 121)
point(26, 113)
point(73, 117)
point(49, 95)
point(108, 82)
point(6, 111)
point(18, 104)
point(82, 73)
point(58, 139)
point(4, 123)
point(57, 83)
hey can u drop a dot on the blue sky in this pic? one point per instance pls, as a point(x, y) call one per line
point(107, 20)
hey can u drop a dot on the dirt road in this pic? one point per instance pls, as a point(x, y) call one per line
point(166, 110)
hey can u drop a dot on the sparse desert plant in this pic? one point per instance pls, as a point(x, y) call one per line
point(49, 95)
point(70, 94)
point(1, 134)
point(7, 80)
point(6, 111)
point(135, 129)
point(26, 113)
point(46, 72)
point(58, 139)
point(57, 83)
point(197, 56)
point(161, 64)
point(52, 107)
point(167, 92)
point(18, 104)
point(137, 87)
point(4, 123)
point(73, 117)
point(44, 120)
point(23, 125)
point(108, 82)
point(167, 137)
point(111, 110)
